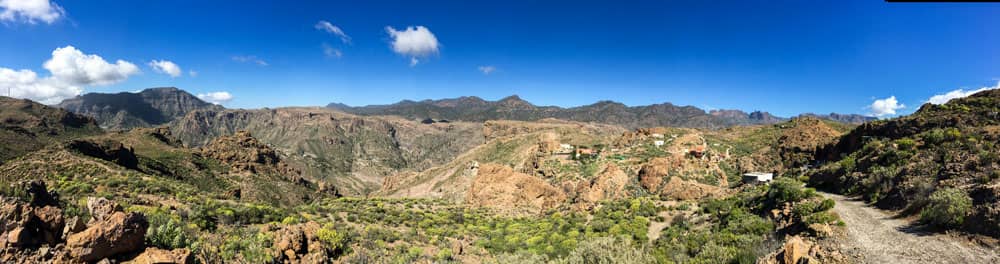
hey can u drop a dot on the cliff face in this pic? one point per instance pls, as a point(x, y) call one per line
point(150, 107)
point(351, 152)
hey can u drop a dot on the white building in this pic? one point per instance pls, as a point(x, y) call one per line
point(757, 177)
point(657, 135)
point(658, 143)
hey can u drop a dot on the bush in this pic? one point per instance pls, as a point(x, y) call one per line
point(947, 207)
point(608, 250)
point(167, 233)
point(788, 190)
point(335, 241)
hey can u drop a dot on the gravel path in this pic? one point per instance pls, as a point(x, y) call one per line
point(878, 237)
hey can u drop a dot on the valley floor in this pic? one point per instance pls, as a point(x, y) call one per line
point(879, 237)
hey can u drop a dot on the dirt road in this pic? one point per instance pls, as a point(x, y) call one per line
point(878, 237)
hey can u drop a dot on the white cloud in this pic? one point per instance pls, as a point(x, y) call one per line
point(332, 29)
point(960, 93)
point(331, 52)
point(71, 65)
point(27, 84)
point(414, 42)
point(216, 97)
point(487, 69)
point(885, 107)
point(250, 59)
point(192, 73)
point(30, 11)
point(165, 66)
point(70, 70)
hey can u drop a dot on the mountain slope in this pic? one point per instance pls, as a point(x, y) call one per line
point(27, 126)
point(150, 107)
point(940, 154)
point(351, 152)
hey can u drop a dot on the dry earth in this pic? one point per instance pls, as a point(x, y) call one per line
point(880, 237)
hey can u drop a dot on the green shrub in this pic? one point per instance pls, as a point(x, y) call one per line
point(947, 207)
point(784, 190)
point(607, 250)
point(906, 143)
point(823, 217)
point(166, 232)
point(336, 241)
point(444, 254)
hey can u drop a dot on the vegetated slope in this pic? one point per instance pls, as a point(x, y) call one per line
point(151, 161)
point(782, 148)
point(942, 162)
point(27, 126)
point(149, 107)
point(350, 152)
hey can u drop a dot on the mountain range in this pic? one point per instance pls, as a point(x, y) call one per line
point(475, 109)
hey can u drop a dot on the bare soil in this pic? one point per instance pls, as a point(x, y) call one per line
point(876, 236)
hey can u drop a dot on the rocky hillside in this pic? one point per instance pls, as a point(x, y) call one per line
point(27, 126)
point(150, 107)
point(351, 152)
point(941, 162)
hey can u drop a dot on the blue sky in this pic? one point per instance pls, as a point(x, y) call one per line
point(786, 57)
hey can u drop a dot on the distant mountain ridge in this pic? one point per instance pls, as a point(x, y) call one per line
point(471, 108)
point(149, 107)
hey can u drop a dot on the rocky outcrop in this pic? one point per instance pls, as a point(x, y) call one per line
point(300, 244)
point(36, 231)
point(798, 250)
point(500, 187)
point(118, 233)
point(106, 149)
point(651, 174)
point(610, 183)
point(244, 153)
point(679, 189)
point(163, 256)
point(32, 224)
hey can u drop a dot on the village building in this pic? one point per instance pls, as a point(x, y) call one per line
point(658, 143)
point(757, 177)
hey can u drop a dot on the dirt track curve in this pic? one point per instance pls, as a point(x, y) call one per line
point(878, 237)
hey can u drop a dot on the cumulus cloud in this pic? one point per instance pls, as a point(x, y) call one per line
point(30, 11)
point(331, 52)
point(960, 93)
point(332, 29)
point(487, 69)
point(71, 65)
point(166, 67)
point(414, 42)
point(885, 107)
point(250, 59)
point(216, 97)
point(70, 70)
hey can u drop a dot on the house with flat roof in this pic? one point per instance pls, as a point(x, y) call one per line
point(757, 177)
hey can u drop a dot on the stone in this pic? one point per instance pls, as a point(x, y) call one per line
point(163, 256)
point(117, 234)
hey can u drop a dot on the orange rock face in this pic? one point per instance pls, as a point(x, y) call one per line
point(500, 187)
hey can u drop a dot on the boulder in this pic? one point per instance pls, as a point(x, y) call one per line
point(163, 256)
point(610, 183)
point(651, 174)
point(119, 233)
point(101, 208)
point(795, 249)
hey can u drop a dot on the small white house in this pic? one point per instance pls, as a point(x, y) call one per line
point(657, 135)
point(565, 148)
point(658, 143)
point(757, 177)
